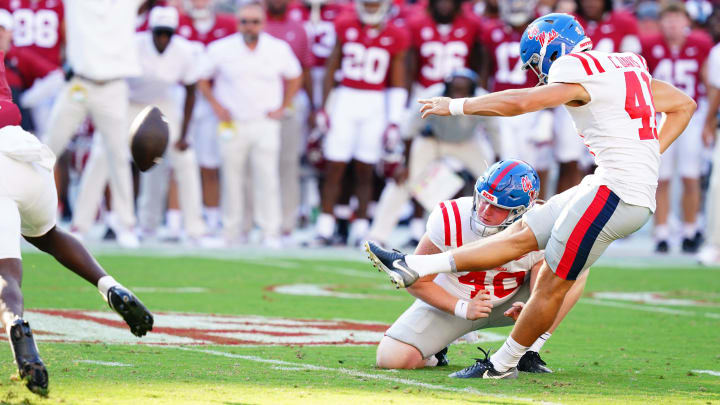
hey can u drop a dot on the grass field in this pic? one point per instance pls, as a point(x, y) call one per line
point(611, 348)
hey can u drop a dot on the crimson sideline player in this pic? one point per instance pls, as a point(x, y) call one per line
point(370, 53)
point(610, 30)
point(678, 55)
point(613, 100)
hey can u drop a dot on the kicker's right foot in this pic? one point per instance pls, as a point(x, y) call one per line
point(392, 263)
point(30, 367)
point(131, 309)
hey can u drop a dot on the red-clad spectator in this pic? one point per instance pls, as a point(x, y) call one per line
point(678, 55)
point(38, 25)
point(610, 31)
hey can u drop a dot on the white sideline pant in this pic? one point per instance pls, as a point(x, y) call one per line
point(423, 151)
point(153, 183)
point(255, 142)
point(107, 105)
point(291, 140)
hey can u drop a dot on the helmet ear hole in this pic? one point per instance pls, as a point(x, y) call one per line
point(554, 56)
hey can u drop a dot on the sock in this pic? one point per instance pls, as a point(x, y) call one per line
point(104, 284)
point(508, 356)
point(8, 319)
point(417, 228)
point(537, 346)
point(212, 214)
point(689, 229)
point(325, 225)
point(342, 211)
point(359, 229)
point(173, 220)
point(431, 361)
point(662, 232)
point(431, 264)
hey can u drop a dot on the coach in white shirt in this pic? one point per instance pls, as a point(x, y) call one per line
point(255, 77)
point(101, 51)
point(166, 60)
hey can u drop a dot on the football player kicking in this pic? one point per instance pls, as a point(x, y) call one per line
point(452, 305)
point(612, 100)
point(28, 205)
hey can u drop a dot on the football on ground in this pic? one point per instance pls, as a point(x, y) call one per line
point(150, 134)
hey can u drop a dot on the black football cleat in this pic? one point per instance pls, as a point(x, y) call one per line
point(442, 358)
point(30, 367)
point(662, 247)
point(392, 263)
point(131, 309)
point(483, 368)
point(531, 362)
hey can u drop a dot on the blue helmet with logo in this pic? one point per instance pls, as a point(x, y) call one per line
point(548, 38)
point(511, 185)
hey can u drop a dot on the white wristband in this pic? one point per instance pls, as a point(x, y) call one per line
point(461, 309)
point(456, 106)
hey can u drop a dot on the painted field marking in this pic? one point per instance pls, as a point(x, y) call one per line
point(656, 298)
point(710, 372)
point(325, 290)
point(177, 290)
point(103, 363)
point(649, 308)
point(344, 271)
point(355, 373)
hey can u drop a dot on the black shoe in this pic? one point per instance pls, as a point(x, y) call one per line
point(392, 263)
point(441, 357)
point(690, 245)
point(30, 367)
point(531, 362)
point(662, 247)
point(483, 368)
point(131, 309)
point(109, 235)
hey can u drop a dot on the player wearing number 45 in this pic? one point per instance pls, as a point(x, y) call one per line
point(613, 100)
point(452, 305)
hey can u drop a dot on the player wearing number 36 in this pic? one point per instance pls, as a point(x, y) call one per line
point(612, 99)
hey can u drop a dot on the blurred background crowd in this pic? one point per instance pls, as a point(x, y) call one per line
point(293, 122)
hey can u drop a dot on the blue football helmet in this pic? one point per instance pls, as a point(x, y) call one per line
point(548, 38)
point(512, 185)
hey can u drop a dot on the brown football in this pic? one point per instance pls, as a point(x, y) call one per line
point(150, 134)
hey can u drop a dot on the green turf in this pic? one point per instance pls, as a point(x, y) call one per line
point(600, 354)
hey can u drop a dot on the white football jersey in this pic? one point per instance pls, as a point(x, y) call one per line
point(618, 124)
point(449, 227)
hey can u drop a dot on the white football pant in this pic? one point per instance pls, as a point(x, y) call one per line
point(107, 105)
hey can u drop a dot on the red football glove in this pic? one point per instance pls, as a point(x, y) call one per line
point(314, 151)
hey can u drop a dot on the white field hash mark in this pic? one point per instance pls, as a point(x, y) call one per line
point(103, 363)
point(286, 365)
point(710, 372)
point(650, 308)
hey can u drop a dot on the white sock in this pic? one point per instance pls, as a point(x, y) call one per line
point(325, 225)
point(417, 228)
point(212, 214)
point(359, 229)
point(342, 211)
point(431, 264)
point(104, 284)
point(689, 229)
point(508, 356)
point(537, 346)
point(173, 220)
point(432, 361)
point(662, 232)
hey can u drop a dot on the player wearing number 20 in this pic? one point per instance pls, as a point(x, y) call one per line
point(368, 105)
point(612, 100)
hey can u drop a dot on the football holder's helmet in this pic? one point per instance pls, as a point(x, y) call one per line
point(372, 17)
point(512, 185)
point(548, 38)
point(463, 72)
point(517, 12)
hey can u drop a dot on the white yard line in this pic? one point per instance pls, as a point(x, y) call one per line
point(649, 308)
point(710, 372)
point(286, 365)
point(103, 363)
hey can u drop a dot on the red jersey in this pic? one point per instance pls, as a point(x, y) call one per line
point(503, 45)
point(367, 51)
point(321, 33)
point(37, 26)
point(442, 48)
point(608, 33)
point(224, 25)
point(680, 67)
point(23, 67)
